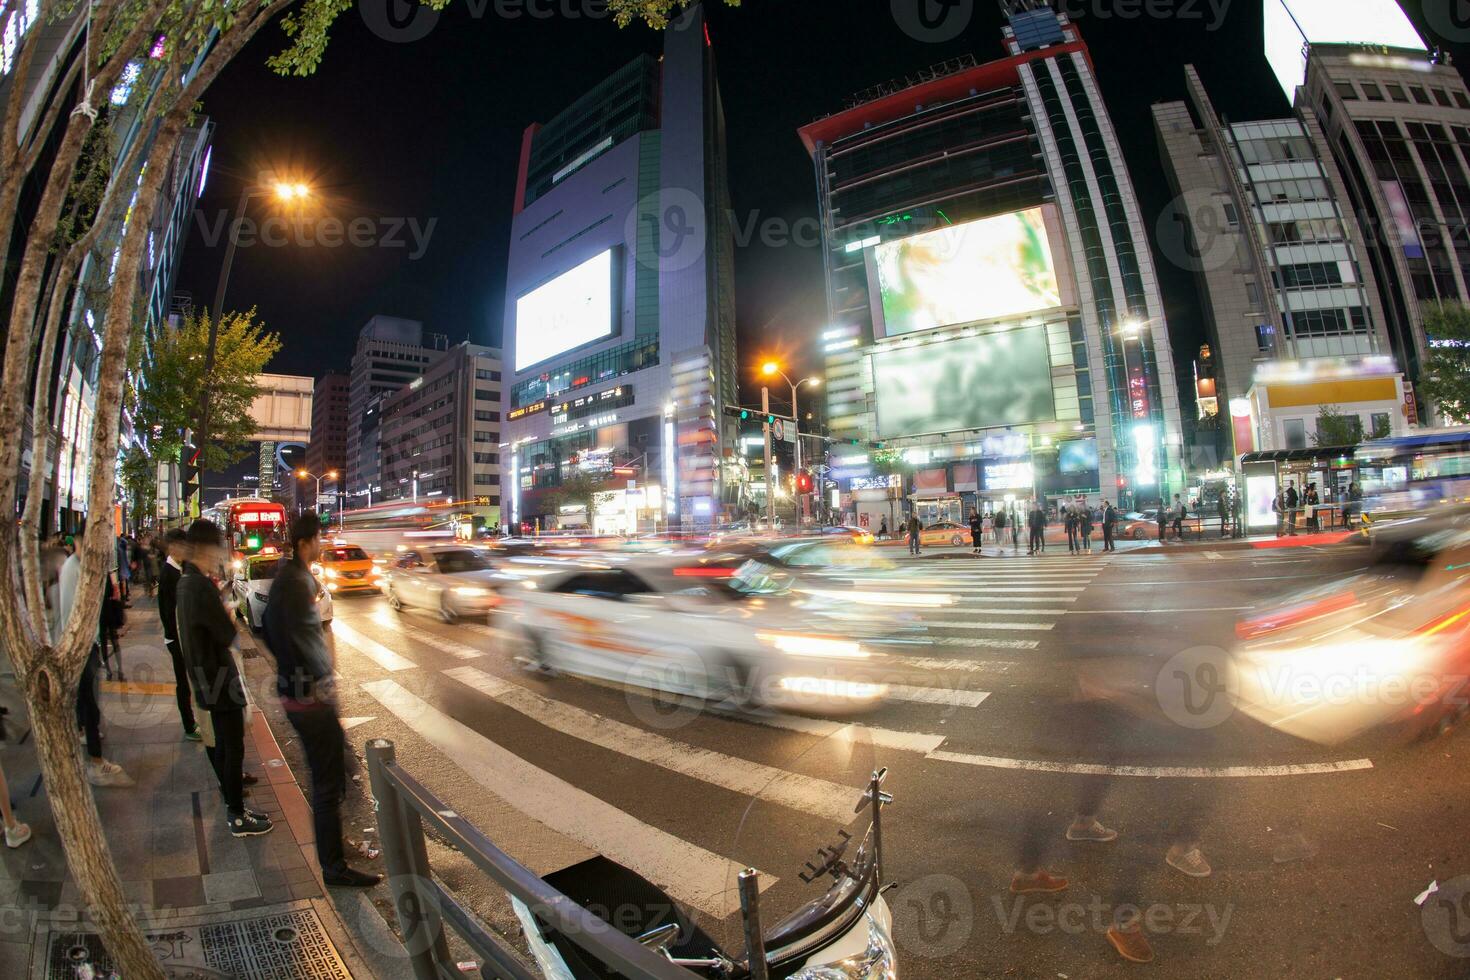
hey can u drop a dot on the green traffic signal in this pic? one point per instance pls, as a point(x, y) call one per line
point(744, 415)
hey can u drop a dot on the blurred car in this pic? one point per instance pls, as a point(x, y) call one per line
point(798, 554)
point(346, 568)
point(945, 533)
point(668, 625)
point(252, 586)
point(1384, 651)
point(1135, 527)
point(858, 535)
point(452, 580)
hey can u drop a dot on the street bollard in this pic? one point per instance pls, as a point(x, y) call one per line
point(750, 914)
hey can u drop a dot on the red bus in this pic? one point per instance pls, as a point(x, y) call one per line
point(252, 525)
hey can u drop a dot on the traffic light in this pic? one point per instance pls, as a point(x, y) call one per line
point(804, 483)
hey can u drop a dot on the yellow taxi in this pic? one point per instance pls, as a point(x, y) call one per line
point(345, 568)
point(945, 533)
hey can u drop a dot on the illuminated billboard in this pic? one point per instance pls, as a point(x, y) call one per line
point(571, 310)
point(1077, 456)
point(980, 382)
point(1289, 24)
point(980, 270)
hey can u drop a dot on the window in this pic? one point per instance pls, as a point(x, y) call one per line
point(1295, 431)
point(1231, 216)
point(1372, 92)
point(604, 585)
point(453, 562)
point(1441, 97)
point(1382, 426)
point(484, 415)
point(1346, 91)
point(485, 459)
point(409, 559)
point(1460, 99)
point(487, 480)
point(1420, 96)
point(483, 436)
point(487, 395)
point(1253, 293)
point(1396, 92)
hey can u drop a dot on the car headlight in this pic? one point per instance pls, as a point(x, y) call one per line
point(804, 645)
point(330, 573)
point(878, 962)
point(471, 591)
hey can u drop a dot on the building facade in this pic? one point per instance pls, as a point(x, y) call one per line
point(1274, 245)
point(391, 352)
point(995, 318)
point(327, 450)
point(440, 436)
point(620, 312)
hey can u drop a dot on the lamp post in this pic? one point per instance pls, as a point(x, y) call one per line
point(328, 475)
point(773, 368)
point(283, 191)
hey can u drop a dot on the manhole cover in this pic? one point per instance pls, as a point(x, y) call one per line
point(283, 946)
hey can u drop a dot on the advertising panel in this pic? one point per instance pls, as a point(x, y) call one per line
point(982, 382)
point(573, 309)
point(995, 267)
point(1077, 456)
point(1291, 23)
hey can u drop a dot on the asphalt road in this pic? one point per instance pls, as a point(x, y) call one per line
point(1052, 685)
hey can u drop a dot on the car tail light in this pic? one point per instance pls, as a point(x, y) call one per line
point(1295, 615)
point(704, 571)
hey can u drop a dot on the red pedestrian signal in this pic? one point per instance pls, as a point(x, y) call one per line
point(804, 483)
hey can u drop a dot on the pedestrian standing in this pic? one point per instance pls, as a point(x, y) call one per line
point(307, 689)
point(1163, 519)
point(1015, 525)
point(914, 527)
point(1313, 501)
point(1069, 523)
point(1109, 520)
point(168, 591)
point(1179, 514)
point(207, 638)
point(123, 554)
point(1293, 501)
point(883, 529)
point(1222, 505)
point(977, 533)
point(1084, 527)
point(1036, 524)
point(1000, 526)
point(1355, 503)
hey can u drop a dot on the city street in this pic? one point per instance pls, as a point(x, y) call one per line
point(1044, 687)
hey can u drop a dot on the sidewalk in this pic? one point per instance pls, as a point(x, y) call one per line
point(212, 905)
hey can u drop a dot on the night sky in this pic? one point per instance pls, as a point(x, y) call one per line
point(430, 131)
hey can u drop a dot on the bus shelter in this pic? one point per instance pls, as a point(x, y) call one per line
point(1334, 469)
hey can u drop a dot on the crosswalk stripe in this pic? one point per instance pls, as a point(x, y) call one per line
point(371, 649)
point(966, 666)
point(686, 871)
point(440, 643)
point(957, 641)
point(1152, 772)
point(949, 612)
point(1021, 590)
point(821, 798)
point(884, 738)
point(938, 695)
point(993, 625)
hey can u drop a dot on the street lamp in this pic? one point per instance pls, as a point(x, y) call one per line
point(328, 475)
point(773, 369)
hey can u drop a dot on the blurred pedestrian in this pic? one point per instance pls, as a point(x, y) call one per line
point(1293, 501)
point(999, 522)
point(305, 684)
point(1178, 512)
point(207, 638)
point(977, 533)
point(1069, 523)
point(1036, 522)
point(1312, 502)
point(114, 617)
point(122, 568)
point(914, 527)
point(883, 529)
point(1222, 505)
point(174, 547)
point(1014, 522)
point(1084, 527)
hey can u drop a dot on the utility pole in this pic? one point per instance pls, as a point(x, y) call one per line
point(770, 478)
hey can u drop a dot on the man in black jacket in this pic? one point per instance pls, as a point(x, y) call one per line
point(168, 591)
point(293, 631)
point(206, 639)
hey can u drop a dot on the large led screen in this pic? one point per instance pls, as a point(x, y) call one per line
point(573, 309)
point(1291, 23)
point(980, 270)
point(979, 382)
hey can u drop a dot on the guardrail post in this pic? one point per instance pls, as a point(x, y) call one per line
point(750, 914)
point(414, 898)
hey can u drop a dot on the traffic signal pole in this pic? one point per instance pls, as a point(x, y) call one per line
point(770, 478)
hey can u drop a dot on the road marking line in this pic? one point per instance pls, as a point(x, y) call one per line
point(952, 612)
point(686, 871)
point(440, 643)
point(860, 734)
point(1083, 612)
point(955, 641)
point(152, 688)
point(1212, 554)
point(1021, 590)
point(372, 649)
point(819, 797)
point(348, 724)
point(967, 666)
point(983, 625)
point(1152, 772)
point(937, 695)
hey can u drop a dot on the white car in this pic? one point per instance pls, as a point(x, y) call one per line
point(252, 587)
point(451, 580)
point(688, 628)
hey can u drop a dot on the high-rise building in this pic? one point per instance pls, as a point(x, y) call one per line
point(1395, 117)
point(994, 312)
point(327, 450)
point(391, 352)
point(620, 311)
point(1274, 245)
point(440, 435)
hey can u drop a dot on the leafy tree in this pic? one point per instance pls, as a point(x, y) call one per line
point(1336, 429)
point(1382, 427)
point(891, 462)
point(1445, 377)
point(170, 402)
point(79, 209)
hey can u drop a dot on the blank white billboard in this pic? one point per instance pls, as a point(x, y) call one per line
point(573, 309)
point(1292, 23)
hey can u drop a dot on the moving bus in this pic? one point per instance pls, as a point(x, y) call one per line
point(252, 525)
point(1414, 473)
point(385, 527)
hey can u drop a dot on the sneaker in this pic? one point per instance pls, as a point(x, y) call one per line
point(192, 735)
point(351, 878)
point(1040, 882)
point(1189, 861)
point(247, 823)
point(257, 815)
point(1091, 830)
point(106, 773)
point(1131, 943)
point(17, 835)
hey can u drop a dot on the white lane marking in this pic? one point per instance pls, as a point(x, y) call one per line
point(859, 734)
point(818, 797)
point(1022, 590)
point(967, 666)
point(1156, 612)
point(1247, 578)
point(1212, 554)
point(371, 649)
point(956, 641)
point(481, 628)
point(950, 612)
point(688, 872)
point(348, 724)
point(440, 643)
point(937, 695)
point(991, 625)
point(1152, 772)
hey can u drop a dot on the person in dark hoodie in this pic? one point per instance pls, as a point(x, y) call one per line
point(168, 598)
point(206, 641)
point(304, 681)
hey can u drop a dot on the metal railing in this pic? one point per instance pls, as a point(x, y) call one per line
point(424, 906)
